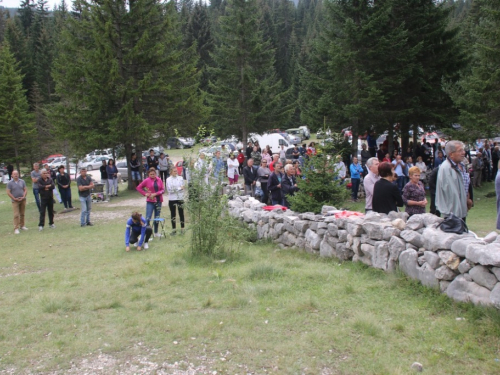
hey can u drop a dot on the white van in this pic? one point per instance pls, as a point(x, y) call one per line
point(274, 140)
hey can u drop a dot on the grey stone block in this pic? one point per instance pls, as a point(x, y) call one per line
point(482, 276)
point(495, 296)
point(313, 225)
point(396, 247)
point(490, 237)
point(488, 255)
point(430, 219)
point(465, 266)
point(466, 291)
point(366, 254)
point(390, 232)
point(354, 229)
point(496, 272)
point(459, 247)
point(444, 273)
point(426, 275)
point(342, 252)
point(375, 231)
point(367, 240)
point(443, 285)
point(381, 255)
point(313, 239)
point(399, 224)
point(279, 228)
point(326, 208)
point(467, 277)
point(342, 235)
point(409, 246)
point(301, 225)
point(450, 259)
point(408, 263)
point(333, 229)
point(356, 245)
point(432, 258)
point(415, 223)
point(325, 249)
point(436, 239)
point(412, 237)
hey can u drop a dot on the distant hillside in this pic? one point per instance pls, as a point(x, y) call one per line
point(12, 11)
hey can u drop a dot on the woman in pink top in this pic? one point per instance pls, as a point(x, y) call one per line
point(153, 189)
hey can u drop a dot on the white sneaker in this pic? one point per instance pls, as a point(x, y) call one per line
point(52, 226)
point(16, 231)
point(157, 234)
point(135, 245)
point(40, 228)
point(24, 228)
point(146, 246)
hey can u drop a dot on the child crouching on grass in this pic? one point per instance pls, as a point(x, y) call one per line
point(136, 226)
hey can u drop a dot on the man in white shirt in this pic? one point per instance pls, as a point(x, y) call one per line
point(369, 181)
point(400, 171)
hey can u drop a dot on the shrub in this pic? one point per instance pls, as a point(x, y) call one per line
point(318, 186)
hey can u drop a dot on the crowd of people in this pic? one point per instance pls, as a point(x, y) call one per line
point(389, 182)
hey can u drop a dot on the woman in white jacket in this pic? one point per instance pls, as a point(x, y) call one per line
point(232, 169)
point(175, 190)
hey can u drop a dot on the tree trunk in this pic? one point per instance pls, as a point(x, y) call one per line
point(128, 153)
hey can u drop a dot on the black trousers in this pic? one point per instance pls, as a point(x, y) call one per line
point(46, 204)
point(164, 175)
point(172, 205)
point(134, 236)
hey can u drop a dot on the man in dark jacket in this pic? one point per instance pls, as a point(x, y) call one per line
point(250, 175)
point(46, 186)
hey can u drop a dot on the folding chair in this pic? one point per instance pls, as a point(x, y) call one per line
point(161, 223)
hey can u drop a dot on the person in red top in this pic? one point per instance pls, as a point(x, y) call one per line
point(387, 158)
point(241, 160)
point(276, 158)
point(311, 150)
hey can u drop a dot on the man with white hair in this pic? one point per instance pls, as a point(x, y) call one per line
point(453, 182)
point(16, 190)
point(369, 181)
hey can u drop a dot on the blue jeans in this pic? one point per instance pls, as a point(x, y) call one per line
point(276, 202)
point(36, 193)
point(355, 187)
point(401, 183)
point(66, 197)
point(86, 208)
point(150, 207)
point(136, 176)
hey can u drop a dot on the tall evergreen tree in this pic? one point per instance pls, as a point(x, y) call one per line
point(477, 93)
point(121, 77)
point(199, 32)
point(16, 128)
point(246, 95)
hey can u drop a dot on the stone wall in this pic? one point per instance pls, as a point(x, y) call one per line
point(465, 267)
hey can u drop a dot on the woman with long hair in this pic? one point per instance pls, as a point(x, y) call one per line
point(112, 172)
point(175, 189)
point(152, 188)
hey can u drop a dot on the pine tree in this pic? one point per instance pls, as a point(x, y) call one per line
point(476, 94)
point(246, 95)
point(122, 78)
point(199, 32)
point(16, 128)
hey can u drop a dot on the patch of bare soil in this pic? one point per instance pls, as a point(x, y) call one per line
point(135, 202)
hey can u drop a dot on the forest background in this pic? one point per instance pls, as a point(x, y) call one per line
point(130, 74)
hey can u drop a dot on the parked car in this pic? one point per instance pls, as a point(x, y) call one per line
point(210, 139)
point(94, 163)
point(307, 132)
point(174, 142)
point(92, 155)
point(296, 132)
point(191, 141)
point(122, 169)
point(49, 158)
point(323, 134)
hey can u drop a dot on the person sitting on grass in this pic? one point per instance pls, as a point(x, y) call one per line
point(136, 226)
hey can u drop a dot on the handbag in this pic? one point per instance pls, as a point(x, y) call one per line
point(453, 224)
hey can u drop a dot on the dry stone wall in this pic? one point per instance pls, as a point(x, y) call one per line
point(465, 267)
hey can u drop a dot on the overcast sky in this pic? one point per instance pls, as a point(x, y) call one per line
point(15, 3)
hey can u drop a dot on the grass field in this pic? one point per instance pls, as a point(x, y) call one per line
point(73, 301)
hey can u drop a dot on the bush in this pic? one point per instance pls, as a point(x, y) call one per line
point(318, 187)
point(215, 233)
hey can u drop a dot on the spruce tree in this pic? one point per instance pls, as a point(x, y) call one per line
point(476, 94)
point(16, 128)
point(122, 78)
point(245, 95)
